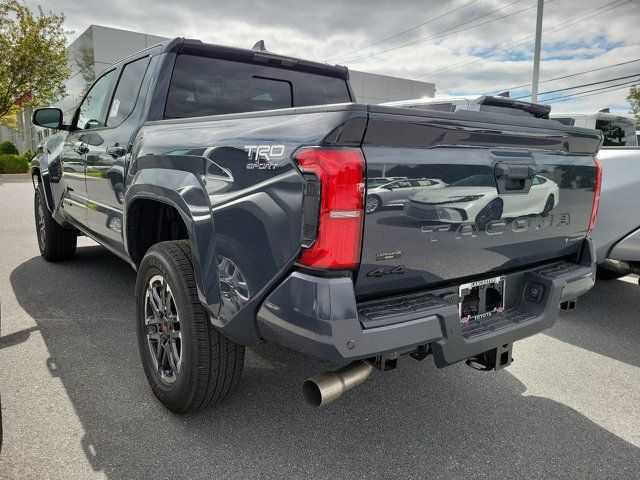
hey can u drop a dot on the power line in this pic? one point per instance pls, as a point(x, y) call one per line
point(581, 86)
point(566, 76)
point(563, 99)
point(443, 33)
point(407, 30)
point(601, 90)
point(558, 27)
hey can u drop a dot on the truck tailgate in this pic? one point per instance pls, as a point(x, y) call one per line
point(469, 195)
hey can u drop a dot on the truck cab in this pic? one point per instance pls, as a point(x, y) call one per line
point(618, 130)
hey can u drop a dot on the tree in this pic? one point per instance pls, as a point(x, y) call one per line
point(634, 99)
point(33, 63)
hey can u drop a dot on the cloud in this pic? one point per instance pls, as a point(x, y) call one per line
point(577, 36)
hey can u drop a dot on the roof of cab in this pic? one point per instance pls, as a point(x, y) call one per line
point(197, 47)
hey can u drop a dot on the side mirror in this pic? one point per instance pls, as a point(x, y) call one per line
point(48, 118)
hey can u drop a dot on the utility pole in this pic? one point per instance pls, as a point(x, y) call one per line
point(536, 55)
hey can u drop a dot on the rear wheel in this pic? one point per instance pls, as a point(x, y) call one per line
point(189, 364)
point(55, 242)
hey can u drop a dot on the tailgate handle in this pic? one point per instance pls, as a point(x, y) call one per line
point(514, 177)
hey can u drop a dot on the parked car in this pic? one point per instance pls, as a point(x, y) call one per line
point(265, 237)
point(475, 199)
point(396, 193)
point(617, 236)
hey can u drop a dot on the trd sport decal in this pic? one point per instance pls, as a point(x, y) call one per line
point(262, 155)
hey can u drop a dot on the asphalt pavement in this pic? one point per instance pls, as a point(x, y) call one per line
point(76, 404)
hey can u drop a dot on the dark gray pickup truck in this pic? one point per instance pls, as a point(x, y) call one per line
point(235, 183)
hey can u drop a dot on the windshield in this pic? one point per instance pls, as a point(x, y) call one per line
point(475, 181)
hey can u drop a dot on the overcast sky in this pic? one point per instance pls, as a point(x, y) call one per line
point(491, 54)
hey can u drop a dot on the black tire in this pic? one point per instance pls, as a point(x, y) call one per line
point(55, 242)
point(369, 207)
point(211, 364)
point(548, 206)
point(490, 212)
point(603, 273)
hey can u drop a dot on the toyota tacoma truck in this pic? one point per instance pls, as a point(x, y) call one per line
point(235, 181)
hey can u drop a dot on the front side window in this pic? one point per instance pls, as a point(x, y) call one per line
point(422, 183)
point(126, 94)
point(92, 105)
point(400, 184)
point(209, 86)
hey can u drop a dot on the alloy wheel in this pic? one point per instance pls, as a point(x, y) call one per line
point(42, 232)
point(372, 204)
point(162, 322)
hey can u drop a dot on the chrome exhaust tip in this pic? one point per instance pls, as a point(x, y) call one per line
point(326, 387)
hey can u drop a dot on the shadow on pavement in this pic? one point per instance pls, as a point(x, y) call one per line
point(16, 337)
point(414, 422)
point(612, 325)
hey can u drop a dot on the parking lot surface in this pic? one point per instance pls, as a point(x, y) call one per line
point(76, 403)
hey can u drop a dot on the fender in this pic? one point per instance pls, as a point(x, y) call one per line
point(179, 181)
point(184, 191)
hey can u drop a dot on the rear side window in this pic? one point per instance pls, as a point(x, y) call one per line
point(209, 86)
point(617, 133)
point(124, 99)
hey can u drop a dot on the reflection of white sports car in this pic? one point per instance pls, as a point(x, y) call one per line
point(396, 193)
point(476, 199)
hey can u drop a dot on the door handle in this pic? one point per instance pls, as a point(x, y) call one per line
point(116, 151)
point(80, 147)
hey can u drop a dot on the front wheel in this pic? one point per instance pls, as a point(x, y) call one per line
point(55, 242)
point(373, 203)
point(548, 206)
point(489, 213)
point(188, 363)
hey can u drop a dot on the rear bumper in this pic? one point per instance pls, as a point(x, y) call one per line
point(320, 316)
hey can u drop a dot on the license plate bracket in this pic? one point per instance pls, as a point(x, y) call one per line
point(481, 299)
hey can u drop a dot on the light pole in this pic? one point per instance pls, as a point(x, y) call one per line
point(536, 55)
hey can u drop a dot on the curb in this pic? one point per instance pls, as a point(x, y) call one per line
point(15, 176)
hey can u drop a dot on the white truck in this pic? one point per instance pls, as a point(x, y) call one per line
point(617, 237)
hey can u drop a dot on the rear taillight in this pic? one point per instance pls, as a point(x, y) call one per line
point(340, 172)
point(596, 195)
